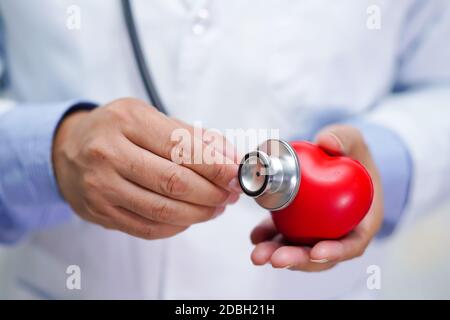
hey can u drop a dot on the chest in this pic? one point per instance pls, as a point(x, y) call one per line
point(297, 61)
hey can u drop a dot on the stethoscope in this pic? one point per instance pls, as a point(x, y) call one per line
point(278, 187)
point(144, 69)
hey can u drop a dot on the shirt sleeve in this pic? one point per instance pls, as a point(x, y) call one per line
point(408, 131)
point(394, 163)
point(29, 196)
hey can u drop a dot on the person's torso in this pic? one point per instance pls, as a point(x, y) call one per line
point(288, 65)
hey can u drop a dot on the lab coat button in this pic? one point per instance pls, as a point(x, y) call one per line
point(201, 22)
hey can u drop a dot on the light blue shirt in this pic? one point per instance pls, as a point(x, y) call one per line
point(29, 195)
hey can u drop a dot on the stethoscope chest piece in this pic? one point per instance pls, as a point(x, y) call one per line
point(271, 174)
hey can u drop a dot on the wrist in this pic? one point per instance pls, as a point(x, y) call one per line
point(71, 116)
point(66, 125)
point(62, 137)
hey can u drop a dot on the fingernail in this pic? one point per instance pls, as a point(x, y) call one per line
point(288, 266)
point(319, 260)
point(338, 141)
point(234, 185)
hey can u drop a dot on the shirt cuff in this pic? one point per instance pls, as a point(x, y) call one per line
point(30, 194)
point(395, 166)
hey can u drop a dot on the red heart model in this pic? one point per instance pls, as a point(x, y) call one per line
point(335, 194)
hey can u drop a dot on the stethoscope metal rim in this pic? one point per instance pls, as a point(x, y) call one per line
point(282, 197)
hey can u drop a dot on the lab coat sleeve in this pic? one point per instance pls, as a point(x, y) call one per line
point(418, 112)
point(422, 120)
point(394, 164)
point(29, 196)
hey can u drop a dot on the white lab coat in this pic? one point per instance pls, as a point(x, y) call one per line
point(253, 64)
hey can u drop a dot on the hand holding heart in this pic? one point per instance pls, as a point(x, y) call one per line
point(270, 245)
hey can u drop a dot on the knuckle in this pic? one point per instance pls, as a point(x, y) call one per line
point(150, 109)
point(96, 150)
point(91, 182)
point(126, 109)
point(117, 110)
point(222, 197)
point(178, 146)
point(148, 232)
point(90, 206)
point(126, 112)
point(162, 213)
point(136, 103)
point(134, 204)
point(130, 101)
point(209, 213)
point(173, 182)
point(89, 203)
point(137, 108)
point(219, 172)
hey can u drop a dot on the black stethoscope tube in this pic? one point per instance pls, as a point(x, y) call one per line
point(141, 62)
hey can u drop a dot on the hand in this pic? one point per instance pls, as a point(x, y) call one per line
point(270, 247)
point(113, 167)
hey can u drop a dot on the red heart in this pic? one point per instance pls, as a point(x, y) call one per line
point(335, 194)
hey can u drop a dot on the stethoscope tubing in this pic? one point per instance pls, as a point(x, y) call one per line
point(141, 61)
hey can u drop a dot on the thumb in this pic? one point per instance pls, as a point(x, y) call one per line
point(342, 140)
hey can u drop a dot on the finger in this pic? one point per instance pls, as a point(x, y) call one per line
point(158, 208)
point(263, 232)
point(135, 225)
point(214, 138)
point(329, 142)
point(351, 246)
point(111, 217)
point(314, 267)
point(296, 258)
point(169, 179)
point(345, 140)
point(177, 144)
point(217, 171)
point(263, 251)
point(93, 217)
point(289, 256)
point(91, 210)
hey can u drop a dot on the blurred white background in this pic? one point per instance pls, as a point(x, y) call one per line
point(418, 260)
